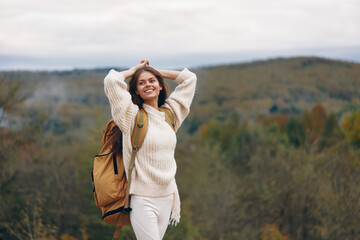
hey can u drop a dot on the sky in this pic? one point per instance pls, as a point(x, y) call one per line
point(68, 34)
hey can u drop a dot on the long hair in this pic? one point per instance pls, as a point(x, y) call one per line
point(136, 99)
point(116, 137)
point(116, 134)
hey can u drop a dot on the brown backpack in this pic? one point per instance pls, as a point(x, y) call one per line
point(110, 185)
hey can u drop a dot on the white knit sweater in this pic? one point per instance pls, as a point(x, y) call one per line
point(155, 166)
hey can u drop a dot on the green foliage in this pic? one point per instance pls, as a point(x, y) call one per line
point(295, 132)
point(332, 131)
point(272, 232)
point(211, 189)
point(234, 138)
point(292, 188)
point(351, 127)
point(242, 173)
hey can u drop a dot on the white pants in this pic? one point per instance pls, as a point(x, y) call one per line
point(150, 216)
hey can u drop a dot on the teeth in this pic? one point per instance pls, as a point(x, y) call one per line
point(149, 90)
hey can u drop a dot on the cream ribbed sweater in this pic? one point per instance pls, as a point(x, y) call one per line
point(155, 166)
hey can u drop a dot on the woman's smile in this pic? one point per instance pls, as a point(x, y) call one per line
point(149, 90)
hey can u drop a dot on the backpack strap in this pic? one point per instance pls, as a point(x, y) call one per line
point(169, 117)
point(137, 138)
point(119, 226)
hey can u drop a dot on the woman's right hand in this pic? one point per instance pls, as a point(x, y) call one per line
point(142, 64)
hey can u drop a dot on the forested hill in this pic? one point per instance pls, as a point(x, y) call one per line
point(249, 89)
point(276, 85)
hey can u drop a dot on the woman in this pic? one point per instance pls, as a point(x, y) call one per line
point(154, 195)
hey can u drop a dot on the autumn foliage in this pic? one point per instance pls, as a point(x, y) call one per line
point(270, 151)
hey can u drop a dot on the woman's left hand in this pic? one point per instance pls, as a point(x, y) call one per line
point(146, 62)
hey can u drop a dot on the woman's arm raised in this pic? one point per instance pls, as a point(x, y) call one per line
point(123, 110)
point(180, 100)
point(169, 74)
point(132, 70)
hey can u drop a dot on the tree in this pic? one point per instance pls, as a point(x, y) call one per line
point(314, 124)
point(9, 98)
point(351, 127)
point(295, 132)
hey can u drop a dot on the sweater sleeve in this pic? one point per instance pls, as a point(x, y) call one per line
point(123, 110)
point(180, 100)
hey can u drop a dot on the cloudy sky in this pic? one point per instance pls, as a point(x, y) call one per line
point(66, 34)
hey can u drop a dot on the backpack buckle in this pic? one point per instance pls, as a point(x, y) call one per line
point(126, 210)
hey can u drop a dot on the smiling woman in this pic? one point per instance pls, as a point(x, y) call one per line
point(155, 200)
point(147, 85)
point(148, 88)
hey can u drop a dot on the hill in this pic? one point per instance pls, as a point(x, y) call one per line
point(248, 89)
point(254, 88)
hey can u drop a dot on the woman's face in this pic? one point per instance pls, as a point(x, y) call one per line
point(148, 87)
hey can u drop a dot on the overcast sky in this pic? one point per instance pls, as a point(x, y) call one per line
point(66, 34)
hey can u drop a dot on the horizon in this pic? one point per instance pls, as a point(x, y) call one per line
point(68, 35)
point(225, 62)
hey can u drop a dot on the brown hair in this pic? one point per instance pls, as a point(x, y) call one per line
point(116, 137)
point(136, 99)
